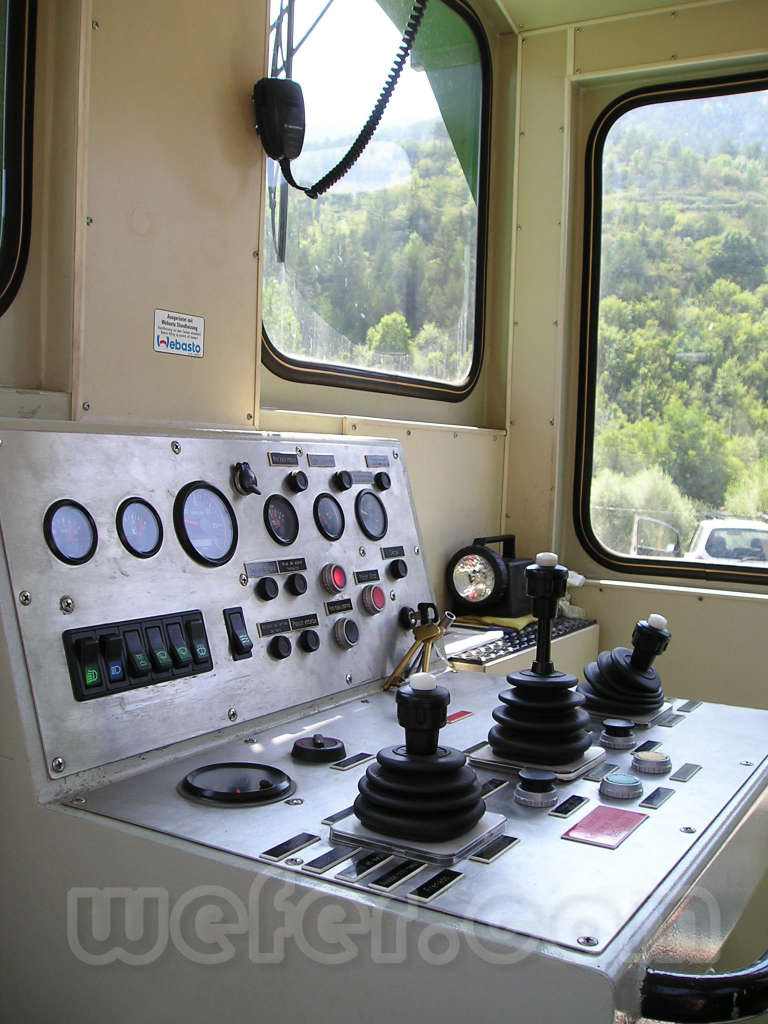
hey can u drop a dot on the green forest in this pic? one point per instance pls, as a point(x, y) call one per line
point(381, 274)
point(681, 428)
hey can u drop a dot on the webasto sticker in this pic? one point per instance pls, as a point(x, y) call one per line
point(180, 334)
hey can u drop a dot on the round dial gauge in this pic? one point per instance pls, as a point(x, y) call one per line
point(205, 523)
point(371, 515)
point(476, 576)
point(329, 516)
point(280, 519)
point(139, 527)
point(70, 531)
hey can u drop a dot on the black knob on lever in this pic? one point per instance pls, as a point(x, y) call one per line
point(649, 638)
point(546, 582)
point(421, 710)
point(244, 479)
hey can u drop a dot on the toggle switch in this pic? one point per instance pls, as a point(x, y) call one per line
point(240, 643)
point(138, 662)
point(180, 652)
point(158, 651)
point(88, 656)
point(112, 651)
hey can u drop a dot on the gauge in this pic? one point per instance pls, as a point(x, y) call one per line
point(205, 523)
point(280, 519)
point(139, 527)
point(70, 531)
point(476, 576)
point(371, 515)
point(328, 516)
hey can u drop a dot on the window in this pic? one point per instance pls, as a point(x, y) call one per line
point(17, 20)
point(378, 283)
point(672, 454)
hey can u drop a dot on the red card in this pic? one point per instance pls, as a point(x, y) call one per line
point(605, 826)
point(457, 716)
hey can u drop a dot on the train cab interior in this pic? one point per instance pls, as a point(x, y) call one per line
point(323, 324)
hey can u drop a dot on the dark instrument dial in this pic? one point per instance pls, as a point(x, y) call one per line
point(371, 515)
point(70, 531)
point(280, 519)
point(329, 516)
point(205, 523)
point(139, 527)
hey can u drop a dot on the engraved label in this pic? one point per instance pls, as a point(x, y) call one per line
point(367, 576)
point(395, 552)
point(315, 459)
point(254, 570)
point(303, 621)
point(283, 458)
point(378, 461)
point(275, 626)
point(334, 607)
point(291, 565)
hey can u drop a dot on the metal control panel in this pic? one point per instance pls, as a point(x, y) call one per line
point(169, 586)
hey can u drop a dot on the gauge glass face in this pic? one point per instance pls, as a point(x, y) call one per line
point(473, 578)
point(329, 516)
point(280, 519)
point(70, 532)
point(371, 515)
point(139, 527)
point(205, 523)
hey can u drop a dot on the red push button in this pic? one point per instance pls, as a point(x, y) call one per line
point(374, 599)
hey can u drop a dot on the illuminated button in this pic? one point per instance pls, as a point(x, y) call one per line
point(180, 652)
point(374, 599)
point(112, 649)
point(88, 653)
point(346, 633)
point(158, 650)
point(138, 662)
point(333, 578)
point(651, 762)
point(620, 786)
point(199, 641)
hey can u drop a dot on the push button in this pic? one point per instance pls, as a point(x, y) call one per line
point(180, 652)
point(199, 641)
point(112, 649)
point(158, 651)
point(138, 662)
point(88, 654)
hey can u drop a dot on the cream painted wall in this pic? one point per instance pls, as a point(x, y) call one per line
point(171, 209)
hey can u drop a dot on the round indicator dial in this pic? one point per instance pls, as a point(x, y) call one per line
point(139, 527)
point(329, 516)
point(280, 519)
point(371, 515)
point(70, 531)
point(205, 523)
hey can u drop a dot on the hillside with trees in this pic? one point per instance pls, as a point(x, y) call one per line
point(682, 418)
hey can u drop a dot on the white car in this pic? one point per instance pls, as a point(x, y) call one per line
point(733, 541)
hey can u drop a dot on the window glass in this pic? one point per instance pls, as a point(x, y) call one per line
point(379, 277)
point(677, 329)
point(17, 18)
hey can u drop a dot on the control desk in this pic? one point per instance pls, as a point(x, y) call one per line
point(214, 807)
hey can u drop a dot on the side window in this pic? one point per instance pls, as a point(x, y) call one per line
point(17, 41)
point(672, 468)
point(378, 284)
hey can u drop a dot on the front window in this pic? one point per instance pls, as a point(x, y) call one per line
point(378, 283)
point(674, 444)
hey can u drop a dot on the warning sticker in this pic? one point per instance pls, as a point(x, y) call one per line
point(180, 334)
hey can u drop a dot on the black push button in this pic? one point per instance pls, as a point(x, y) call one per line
point(198, 640)
point(138, 662)
point(280, 647)
point(88, 654)
point(240, 643)
point(267, 588)
point(180, 652)
point(112, 649)
point(398, 569)
point(158, 650)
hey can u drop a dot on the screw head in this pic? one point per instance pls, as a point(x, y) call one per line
point(417, 550)
point(294, 861)
point(58, 764)
point(587, 940)
point(362, 552)
point(299, 451)
point(175, 447)
point(395, 455)
point(348, 678)
point(243, 579)
point(86, 406)
point(688, 829)
point(747, 764)
point(294, 801)
point(232, 714)
point(66, 604)
point(79, 800)
point(25, 598)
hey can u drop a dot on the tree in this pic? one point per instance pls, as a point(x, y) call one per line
point(736, 258)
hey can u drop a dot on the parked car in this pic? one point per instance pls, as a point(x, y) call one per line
point(730, 541)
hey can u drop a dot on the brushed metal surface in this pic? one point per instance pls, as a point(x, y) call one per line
point(543, 887)
point(39, 466)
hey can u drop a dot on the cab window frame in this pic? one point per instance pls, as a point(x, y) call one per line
point(17, 146)
point(292, 368)
point(589, 328)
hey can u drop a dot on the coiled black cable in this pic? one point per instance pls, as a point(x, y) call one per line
point(356, 149)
